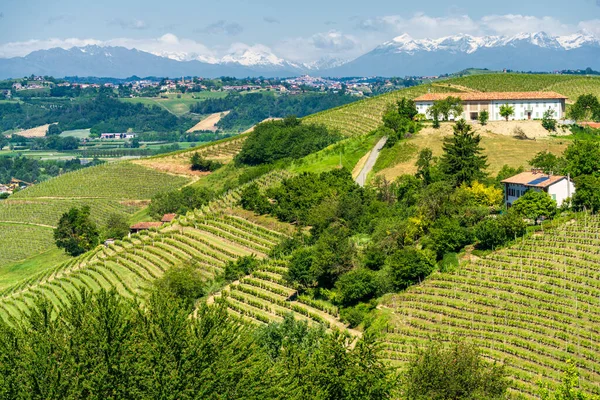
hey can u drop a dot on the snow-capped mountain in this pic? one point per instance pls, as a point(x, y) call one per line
point(538, 51)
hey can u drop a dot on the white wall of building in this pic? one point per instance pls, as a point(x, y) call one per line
point(521, 107)
point(559, 191)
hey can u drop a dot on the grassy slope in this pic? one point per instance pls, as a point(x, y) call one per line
point(107, 189)
point(177, 106)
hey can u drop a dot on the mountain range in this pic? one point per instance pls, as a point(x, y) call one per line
point(400, 56)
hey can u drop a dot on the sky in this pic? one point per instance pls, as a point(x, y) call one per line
point(300, 31)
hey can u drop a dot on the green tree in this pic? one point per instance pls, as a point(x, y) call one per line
point(183, 282)
point(76, 233)
point(455, 372)
point(548, 121)
point(583, 158)
point(334, 255)
point(448, 107)
point(116, 227)
point(355, 286)
point(586, 107)
point(568, 389)
point(407, 108)
point(408, 266)
point(587, 194)
point(426, 166)
point(489, 234)
point(548, 162)
point(506, 111)
point(484, 117)
point(535, 204)
point(436, 121)
point(300, 268)
point(462, 160)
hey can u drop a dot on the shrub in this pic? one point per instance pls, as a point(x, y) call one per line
point(198, 163)
point(408, 266)
point(356, 286)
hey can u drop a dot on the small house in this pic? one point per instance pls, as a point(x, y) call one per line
point(143, 226)
point(559, 187)
point(168, 218)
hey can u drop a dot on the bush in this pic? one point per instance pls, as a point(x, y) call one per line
point(184, 282)
point(252, 199)
point(241, 267)
point(408, 266)
point(534, 205)
point(354, 316)
point(201, 164)
point(356, 286)
point(117, 227)
point(300, 268)
point(490, 234)
point(179, 201)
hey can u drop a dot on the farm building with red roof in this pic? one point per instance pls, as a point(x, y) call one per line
point(526, 105)
point(559, 187)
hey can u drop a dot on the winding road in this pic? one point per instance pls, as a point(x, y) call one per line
point(361, 179)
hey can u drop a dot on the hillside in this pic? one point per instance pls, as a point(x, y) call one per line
point(31, 214)
point(534, 305)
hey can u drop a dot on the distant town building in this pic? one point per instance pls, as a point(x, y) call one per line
point(559, 187)
point(527, 105)
point(117, 135)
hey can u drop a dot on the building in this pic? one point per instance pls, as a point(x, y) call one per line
point(559, 187)
point(168, 218)
point(117, 135)
point(527, 105)
point(142, 226)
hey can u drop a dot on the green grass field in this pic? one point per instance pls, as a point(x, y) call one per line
point(173, 104)
point(18, 241)
point(77, 133)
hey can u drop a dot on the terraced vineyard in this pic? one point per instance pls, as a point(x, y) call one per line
point(17, 241)
point(110, 188)
point(534, 305)
point(210, 237)
point(265, 296)
point(179, 163)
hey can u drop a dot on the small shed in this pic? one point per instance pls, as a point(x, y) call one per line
point(143, 226)
point(168, 218)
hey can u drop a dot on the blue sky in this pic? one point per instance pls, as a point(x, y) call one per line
point(301, 30)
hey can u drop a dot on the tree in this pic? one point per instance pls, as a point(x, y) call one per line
point(588, 193)
point(583, 158)
point(436, 121)
point(484, 117)
point(548, 162)
point(407, 108)
point(506, 111)
point(462, 160)
point(198, 163)
point(548, 121)
point(426, 166)
point(53, 130)
point(300, 268)
point(455, 372)
point(184, 282)
point(116, 227)
point(535, 204)
point(489, 234)
point(76, 233)
point(586, 107)
point(448, 107)
point(568, 389)
point(408, 266)
point(355, 286)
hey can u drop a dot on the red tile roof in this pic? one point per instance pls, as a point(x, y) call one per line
point(489, 96)
point(168, 217)
point(145, 225)
point(534, 179)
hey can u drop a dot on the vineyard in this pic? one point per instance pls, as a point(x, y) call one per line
point(363, 116)
point(179, 162)
point(568, 85)
point(265, 296)
point(209, 237)
point(108, 189)
point(534, 305)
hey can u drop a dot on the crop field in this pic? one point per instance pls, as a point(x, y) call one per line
point(178, 106)
point(209, 123)
point(179, 163)
point(568, 85)
point(533, 305)
point(17, 241)
point(77, 133)
point(210, 237)
point(109, 188)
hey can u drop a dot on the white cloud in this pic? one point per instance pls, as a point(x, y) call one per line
point(168, 45)
point(591, 27)
point(135, 23)
point(423, 26)
point(330, 44)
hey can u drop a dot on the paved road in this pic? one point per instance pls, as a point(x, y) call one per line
point(361, 179)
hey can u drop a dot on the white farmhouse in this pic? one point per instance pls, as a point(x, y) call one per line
point(527, 105)
point(559, 187)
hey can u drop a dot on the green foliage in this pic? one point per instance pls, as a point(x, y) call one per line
point(495, 232)
point(398, 120)
point(484, 117)
point(32, 170)
point(53, 130)
point(447, 236)
point(548, 162)
point(506, 111)
point(76, 233)
point(179, 201)
point(183, 282)
point(586, 107)
point(436, 121)
point(355, 315)
point(334, 255)
point(450, 107)
point(456, 372)
point(200, 164)
point(462, 160)
point(587, 195)
point(252, 199)
point(548, 121)
point(290, 138)
point(427, 170)
point(583, 158)
point(408, 266)
point(356, 286)
point(117, 227)
point(568, 389)
point(535, 204)
point(300, 268)
point(240, 267)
